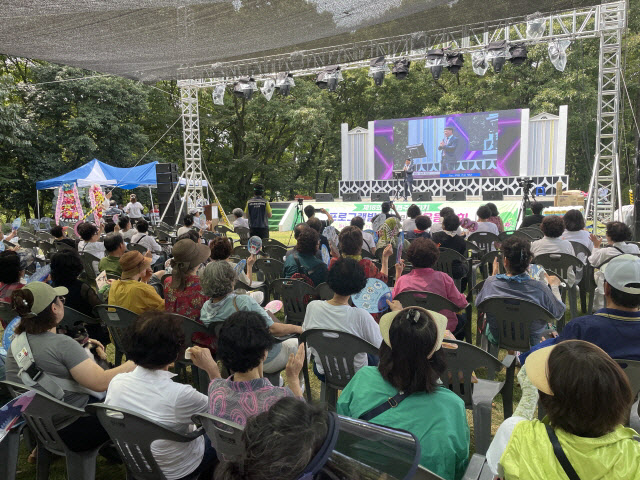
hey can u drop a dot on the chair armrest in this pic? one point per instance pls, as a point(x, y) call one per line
point(474, 469)
point(286, 337)
point(508, 361)
point(193, 435)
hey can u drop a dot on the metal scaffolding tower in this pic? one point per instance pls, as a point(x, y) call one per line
point(605, 195)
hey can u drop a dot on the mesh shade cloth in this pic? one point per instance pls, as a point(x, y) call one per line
point(150, 40)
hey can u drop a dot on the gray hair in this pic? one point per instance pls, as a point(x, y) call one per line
point(217, 279)
point(237, 212)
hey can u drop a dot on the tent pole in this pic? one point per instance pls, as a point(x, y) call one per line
point(38, 202)
point(153, 217)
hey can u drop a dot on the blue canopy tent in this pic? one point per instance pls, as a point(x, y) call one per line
point(97, 173)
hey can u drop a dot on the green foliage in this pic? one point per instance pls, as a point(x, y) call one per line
point(290, 144)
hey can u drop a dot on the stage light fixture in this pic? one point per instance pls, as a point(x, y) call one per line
point(244, 88)
point(479, 62)
point(284, 82)
point(218, 94)
point(497, 54)
point(377, 70)
point(558, 53)
point(268, 87)
point(536, 25)
point(455, 60)
point(436, 61)
point(518, 54)
point(401, 68)
point(329, 78)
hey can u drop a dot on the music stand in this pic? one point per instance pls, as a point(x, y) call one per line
point(398, 175)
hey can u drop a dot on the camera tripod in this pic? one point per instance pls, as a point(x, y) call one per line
point(298, 218)
point(528, 197)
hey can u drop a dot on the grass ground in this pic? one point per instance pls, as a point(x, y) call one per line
point(108, 471)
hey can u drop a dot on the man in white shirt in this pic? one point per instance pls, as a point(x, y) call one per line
point(368, 242)
point(143, 238)
point(345, 278)
point(134, 209)
point(126, 230)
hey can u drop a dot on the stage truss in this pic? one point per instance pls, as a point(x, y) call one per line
point(606, 21)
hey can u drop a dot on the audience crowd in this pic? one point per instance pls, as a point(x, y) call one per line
point(242, 347)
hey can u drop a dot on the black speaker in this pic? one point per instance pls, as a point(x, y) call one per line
point(380, 197)
point(351, 197)
point(166, 168)
point(170, 177)
point(324, 197)
point(456, 196)
point(165, 187)
point(492, 195)
point(421, 197)
point(164, 196)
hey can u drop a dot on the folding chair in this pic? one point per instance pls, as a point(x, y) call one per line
point(133, 435)
point(225, 436)
point(461, 363)
point(117, 320)
point(42, 415)
point(336, 352)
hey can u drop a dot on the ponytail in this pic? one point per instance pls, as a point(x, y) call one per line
point(22, 302)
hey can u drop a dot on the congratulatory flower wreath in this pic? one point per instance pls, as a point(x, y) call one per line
point(68, 206)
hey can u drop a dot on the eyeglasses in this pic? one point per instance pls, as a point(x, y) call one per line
point(62, 300)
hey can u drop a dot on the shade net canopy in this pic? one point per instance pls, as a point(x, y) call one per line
point(153, 40)
point(97, 173)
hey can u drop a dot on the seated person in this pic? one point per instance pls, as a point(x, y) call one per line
point(495, 217)
point(114, 247)
point(90, 242)
point(484, 224)
point(615, 329)
point(617, 235)
point(243, 345)
point(553, 227)
point(351, 247)
point(448, 237)
point(368, 242)
point(60, 239)
point(109, 227)
point(517, 283)
point(10, 274)
point(346, 278)
point(296, 233)
point(133, 291)
point(41, 309)
point(423, 254)
point(221, 248)
point(574, 230)
point(409, 223)
point(280, 443)
point(412, 361)
point(388, 234)
point(536, 218)
point(573, 379)
point(143, 238)
point(154, 343)
point(182, 290)
point(310, 212)
point(422, 224)
point(126, 230)
point(188, 224)
point(444, 213)
point(304, 261)
point(240, 221)
point(218, 281)
point(316, 224)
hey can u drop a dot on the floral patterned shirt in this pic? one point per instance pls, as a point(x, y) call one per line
point(187, 302)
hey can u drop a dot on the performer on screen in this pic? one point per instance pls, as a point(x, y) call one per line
point(408, 170)
point(448, 146)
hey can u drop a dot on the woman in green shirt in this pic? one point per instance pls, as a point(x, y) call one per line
point(434, 414)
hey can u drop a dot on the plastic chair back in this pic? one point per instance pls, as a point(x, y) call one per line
point(522, 234)
point(243, 233)
point(324, 291)
point(72, 317)
point(241, 251)
point(117, 320)
point(133, 435)
point(275, 251)
point(514, 318)
point(90, 263)
point(484, 240)
point(28, 243)
point(506, 234)
point(632, 369)
point(292, 293)
point(533, 232)
point(25, 234)
point(559, 263)
point(225, 436)
point(428, 300)
point(6, 314)
point(446, 261)
point(336, 351)
point(222, 230)
point(137, 247)
point(268, 242)
point(271, 268)
point(487, 261)
point(580, 251)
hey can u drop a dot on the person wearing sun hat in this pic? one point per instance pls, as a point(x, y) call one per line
point(411, 363)
point(132, 290)
point(586, 406)
point(182, 291)
point(63, 361)
point(616, 328)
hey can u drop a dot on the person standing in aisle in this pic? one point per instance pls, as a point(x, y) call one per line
point(134, 209)
point(258, 211)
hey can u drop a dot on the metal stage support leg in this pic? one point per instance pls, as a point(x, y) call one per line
point(605, 196)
